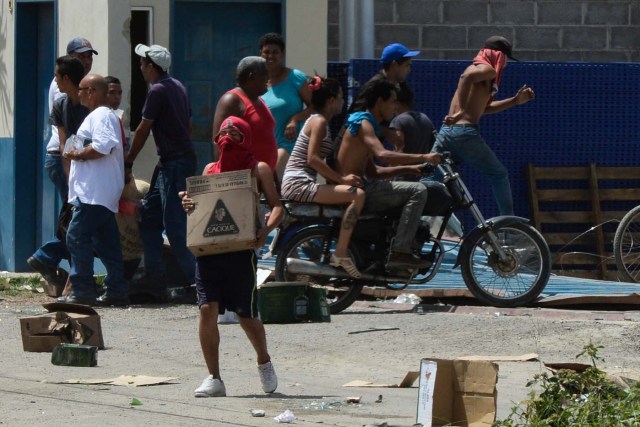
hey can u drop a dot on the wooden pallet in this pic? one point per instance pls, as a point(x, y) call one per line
point(577, 209)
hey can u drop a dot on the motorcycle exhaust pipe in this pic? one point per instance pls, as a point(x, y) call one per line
point(310, 268)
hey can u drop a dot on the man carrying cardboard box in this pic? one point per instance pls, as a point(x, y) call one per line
point(227, 281)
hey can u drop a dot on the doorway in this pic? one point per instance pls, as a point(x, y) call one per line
point(208, 40)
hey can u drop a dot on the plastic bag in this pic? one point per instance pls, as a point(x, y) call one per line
point(407, 299)
point(285, 417)
point(73, 143)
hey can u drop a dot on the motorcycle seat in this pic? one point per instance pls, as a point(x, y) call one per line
point(314, 210)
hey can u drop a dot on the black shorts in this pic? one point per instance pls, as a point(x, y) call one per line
point(230, 280)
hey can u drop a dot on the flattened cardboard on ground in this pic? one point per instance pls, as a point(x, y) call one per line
point(570, 299)
point(123, 380)
point(408, 380)
point(65, 323)
point(464, 394)
point(224, 218)
point(522, 358)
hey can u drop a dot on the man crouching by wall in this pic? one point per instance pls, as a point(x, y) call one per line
point(96, 181)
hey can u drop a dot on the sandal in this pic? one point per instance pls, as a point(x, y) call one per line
point(347, 264)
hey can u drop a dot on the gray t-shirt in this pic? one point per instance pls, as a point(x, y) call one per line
point(418, 135)
point(417, 129)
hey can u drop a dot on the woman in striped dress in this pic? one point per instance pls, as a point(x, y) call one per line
point(307, 160)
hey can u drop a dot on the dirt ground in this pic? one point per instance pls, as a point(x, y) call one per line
point(313, 361)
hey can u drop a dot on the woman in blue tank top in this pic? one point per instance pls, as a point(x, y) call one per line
point(288, 97)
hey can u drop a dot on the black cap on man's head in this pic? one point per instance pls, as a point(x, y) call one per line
point(501, 44)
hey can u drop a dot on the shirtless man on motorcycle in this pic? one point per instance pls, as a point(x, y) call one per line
point(359, 150)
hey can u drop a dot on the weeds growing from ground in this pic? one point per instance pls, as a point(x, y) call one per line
point(570, 398)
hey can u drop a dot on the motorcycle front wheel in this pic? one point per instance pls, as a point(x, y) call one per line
point(514, 281)
point(626, 246)
point(307, 246)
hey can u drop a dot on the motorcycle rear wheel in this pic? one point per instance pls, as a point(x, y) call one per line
point(307, 245)
point(626, 246)
point(520, 279)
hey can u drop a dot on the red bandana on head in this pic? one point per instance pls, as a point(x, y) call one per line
point(234, 155)
point(496, 60)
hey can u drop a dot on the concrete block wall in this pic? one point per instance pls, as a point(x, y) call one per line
point(540, 30)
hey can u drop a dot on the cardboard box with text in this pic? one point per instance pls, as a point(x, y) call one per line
point(457, 392)
point(225, 214)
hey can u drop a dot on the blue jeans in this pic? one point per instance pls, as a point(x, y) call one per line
point(465, 144)
point(55, 171)
point(162, 210)
point(54, 251)
point(388, 197)
point(94, 228)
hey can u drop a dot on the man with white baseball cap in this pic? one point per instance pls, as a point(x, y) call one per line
point(157, 54)
point(167, 112)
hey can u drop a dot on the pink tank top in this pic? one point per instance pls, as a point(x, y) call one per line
point(263, 137)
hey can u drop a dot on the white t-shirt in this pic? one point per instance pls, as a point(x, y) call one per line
point(99, 181)
point(54, 94)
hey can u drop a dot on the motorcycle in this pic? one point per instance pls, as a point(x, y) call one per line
point(504, 261)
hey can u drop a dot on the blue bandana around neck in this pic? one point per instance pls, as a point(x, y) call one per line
point(354, 121)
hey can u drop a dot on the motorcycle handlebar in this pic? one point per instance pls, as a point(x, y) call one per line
point(428, 168)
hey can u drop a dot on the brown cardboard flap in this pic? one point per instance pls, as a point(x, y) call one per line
point(477, 377)
point(69, 307)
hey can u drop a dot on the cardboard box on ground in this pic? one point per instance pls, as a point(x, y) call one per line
point(65, 323)
point(457, 392)
point(225, 214)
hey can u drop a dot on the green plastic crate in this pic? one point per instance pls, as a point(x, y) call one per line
point(292, 302)
point(75, 355)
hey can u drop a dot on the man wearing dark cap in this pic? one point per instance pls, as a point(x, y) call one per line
point(475, 97)
point(45, 261)
point(167, 112)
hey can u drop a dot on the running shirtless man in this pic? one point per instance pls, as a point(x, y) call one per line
point(474, 97)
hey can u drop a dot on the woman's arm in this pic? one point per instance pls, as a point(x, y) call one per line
point(267, 185)
point(291, 130)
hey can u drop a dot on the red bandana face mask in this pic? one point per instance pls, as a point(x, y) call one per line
point(234, 141)
point(496, 60)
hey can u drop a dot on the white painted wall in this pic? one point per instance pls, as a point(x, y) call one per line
point(306, 35)
point(105, 23)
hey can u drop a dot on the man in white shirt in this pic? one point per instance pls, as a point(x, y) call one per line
point(96, 181)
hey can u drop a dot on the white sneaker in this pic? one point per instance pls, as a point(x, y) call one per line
point(211, 387)
point(268, 377)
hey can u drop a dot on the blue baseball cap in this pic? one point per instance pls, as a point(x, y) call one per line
point(80, 45)
point(396, 51)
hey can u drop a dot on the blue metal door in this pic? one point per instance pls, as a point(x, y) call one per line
point(30, 220)
point(208, 41)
